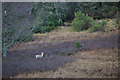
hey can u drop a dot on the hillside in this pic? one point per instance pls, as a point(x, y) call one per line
point(98, 57)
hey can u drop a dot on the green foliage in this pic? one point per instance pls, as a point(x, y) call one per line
point(51, 13)
point(81, 21)
point(104, 23)
point(46, 23)
point(47, 28)
point(100, 10)
point(53, 20)
point(108, 20)
point(46, 17)
point(97, 10)
point(78, 44)
point(97, 27)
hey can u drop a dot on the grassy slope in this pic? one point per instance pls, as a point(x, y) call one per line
point(92, 63)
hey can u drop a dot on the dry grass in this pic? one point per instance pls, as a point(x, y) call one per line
point(100, 63)
point(96, 63)
point(88, 63)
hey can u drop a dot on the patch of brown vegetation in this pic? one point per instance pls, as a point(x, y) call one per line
point(97, 59)
point(100, 63)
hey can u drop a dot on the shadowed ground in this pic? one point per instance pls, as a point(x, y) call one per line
point(97, 58)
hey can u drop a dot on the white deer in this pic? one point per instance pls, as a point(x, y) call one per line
point(40, 56)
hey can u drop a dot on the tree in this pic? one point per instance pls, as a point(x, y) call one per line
point(48, 15)
point(81, 21)
point(100, 10)
point(13, 30)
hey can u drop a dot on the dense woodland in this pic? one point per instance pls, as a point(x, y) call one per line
point(20, 22)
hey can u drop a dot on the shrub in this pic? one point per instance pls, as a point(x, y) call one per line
point(48, 28)
point(104, 23)
point(77, 44)
point(108, 20)
point(54, 19)
point(96, 27)
point(47, 23)
point(81, 21)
